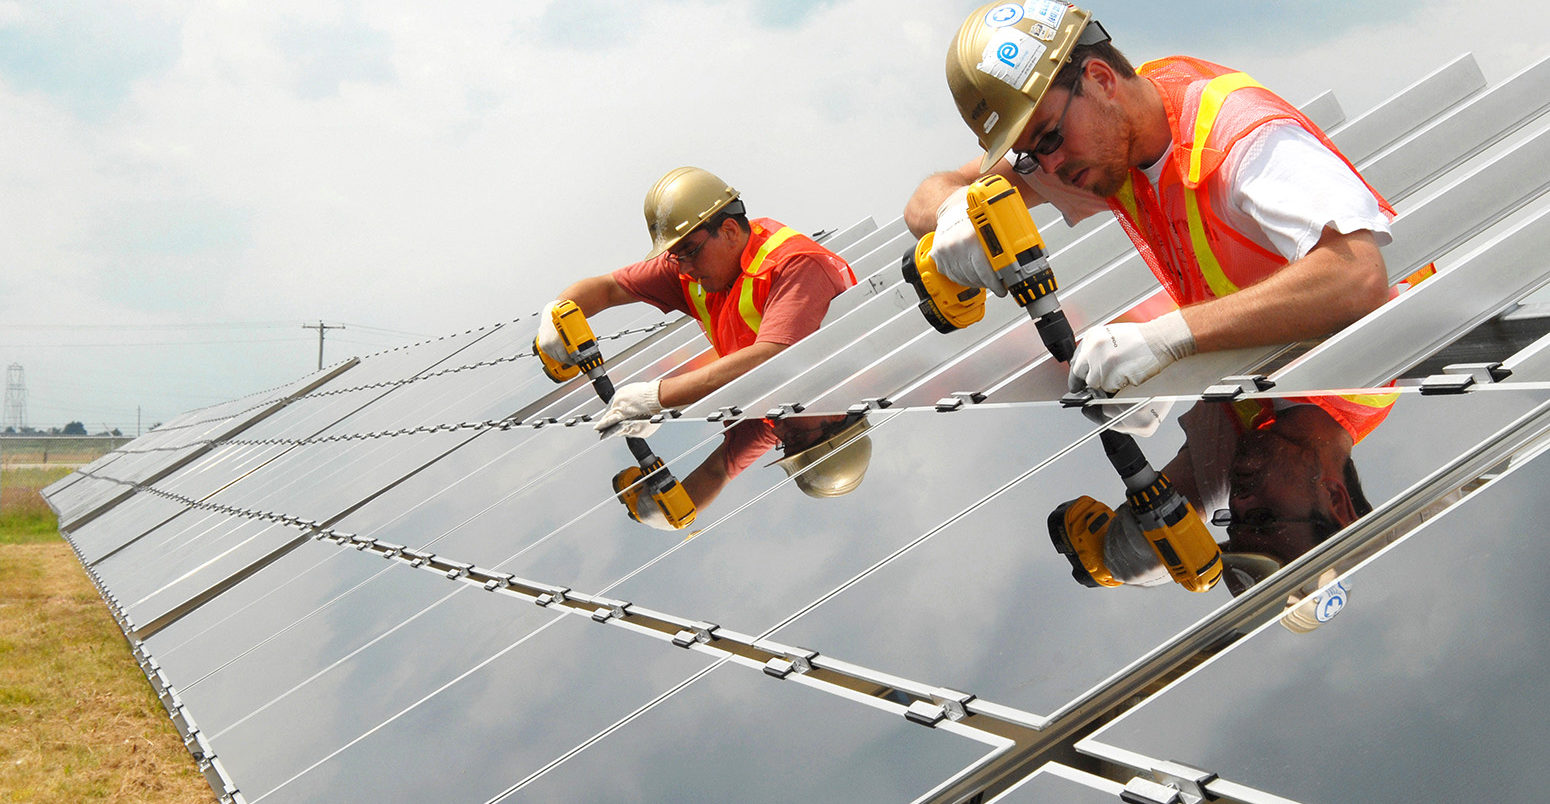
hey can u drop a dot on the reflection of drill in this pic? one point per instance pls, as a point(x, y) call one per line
point(1015, 251)
point(1094, 538)
point(660, 487)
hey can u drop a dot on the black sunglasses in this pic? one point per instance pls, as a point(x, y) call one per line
point(1028, 161)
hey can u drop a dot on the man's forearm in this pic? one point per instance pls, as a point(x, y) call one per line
point(1342, 279)
point(692, 386)
point(920, 212)
point(595, 294)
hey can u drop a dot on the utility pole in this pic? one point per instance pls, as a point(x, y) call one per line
point(321, 327)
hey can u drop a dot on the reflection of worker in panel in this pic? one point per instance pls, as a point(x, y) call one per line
point(755, 286)
point(1277, 473)
point(827, 455)
point(1252, 220)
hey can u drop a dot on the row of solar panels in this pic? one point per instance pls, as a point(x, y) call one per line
point(331, 583)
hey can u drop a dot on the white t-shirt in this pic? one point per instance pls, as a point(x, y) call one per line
point(1282, 188)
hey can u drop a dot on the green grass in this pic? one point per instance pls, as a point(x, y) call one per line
point(25, 517)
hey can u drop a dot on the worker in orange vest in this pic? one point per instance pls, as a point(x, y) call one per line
point(1252, 220)
point(755, 287)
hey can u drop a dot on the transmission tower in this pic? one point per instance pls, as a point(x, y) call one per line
point(16, 397)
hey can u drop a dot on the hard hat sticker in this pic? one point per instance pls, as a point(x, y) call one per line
point(1010, 55)
point(1047, 12)
point(1330, 600)
point(990, 122)
point(1004, 15)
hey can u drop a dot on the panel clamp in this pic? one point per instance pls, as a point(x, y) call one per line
point(1456, 378)
point(956, 400)
point(783, 410)
point(925, 713)
point(725, 413)
point(1229, 388)
point(868, 405)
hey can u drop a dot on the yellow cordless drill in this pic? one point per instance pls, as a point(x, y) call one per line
point(582, 347)
point(660, 487)
point(1081, 528)
point(1016, 253)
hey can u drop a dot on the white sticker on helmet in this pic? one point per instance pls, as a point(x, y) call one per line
point(1004, 15)
point(990, 122)
point(1048, 12)
point(1329, 601)
point(1010, 56)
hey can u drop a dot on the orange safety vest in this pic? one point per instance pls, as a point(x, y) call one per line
point(731, 318)
point(1358, 414)
point(1194, 254)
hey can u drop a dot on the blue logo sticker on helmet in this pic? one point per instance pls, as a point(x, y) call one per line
point(1004, 15)
point(1330, 600)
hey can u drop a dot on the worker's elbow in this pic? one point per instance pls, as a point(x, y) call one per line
point(920, 212)
point(1371, 289)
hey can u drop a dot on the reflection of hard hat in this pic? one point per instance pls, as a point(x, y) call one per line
point(844, 455)
point(1313, 604)
point(683, 199)
point(1002, 61)
point(1242, 570)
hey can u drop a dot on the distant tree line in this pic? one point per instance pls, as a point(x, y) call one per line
point(71, 429)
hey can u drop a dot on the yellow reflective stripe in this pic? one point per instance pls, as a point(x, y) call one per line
point(745, 301)
point(785, 233)
point(1127, 199)
point(1205, 258)
point(1372, 400)
point(697, 301)
point(1211, 99)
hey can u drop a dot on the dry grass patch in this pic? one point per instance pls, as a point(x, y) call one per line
point(78, 721)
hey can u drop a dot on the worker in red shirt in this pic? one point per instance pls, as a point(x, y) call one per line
point(755, 286)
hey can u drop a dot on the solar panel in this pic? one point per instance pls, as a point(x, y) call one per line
point(409, 577)
point(1398, 678)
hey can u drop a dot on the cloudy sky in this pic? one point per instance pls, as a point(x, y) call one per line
point(183, 184)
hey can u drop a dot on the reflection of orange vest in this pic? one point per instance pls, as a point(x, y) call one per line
point(1194, 254)
point(731, 318)
point(1358, 414)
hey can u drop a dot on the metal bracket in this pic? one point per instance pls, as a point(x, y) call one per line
point(925, 713)
point(1187, 780)
point(725, 413)
point(783, 410)
point(953, 702)
point(1146, 791)
point(1459, 377)
point(1229, 388)
point(696, 632)
point(956, 400)
point(869, 404)
point(778, 667)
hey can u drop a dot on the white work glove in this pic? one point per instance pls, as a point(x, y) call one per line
point(1118, 355)
point(1143, 421)
point(549, 340)
point(956, 247)
point(627, 415)
point(1127, 554)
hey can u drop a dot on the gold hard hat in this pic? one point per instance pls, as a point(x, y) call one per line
point(683, 199)
point(844, 455)
point(1002, 61)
